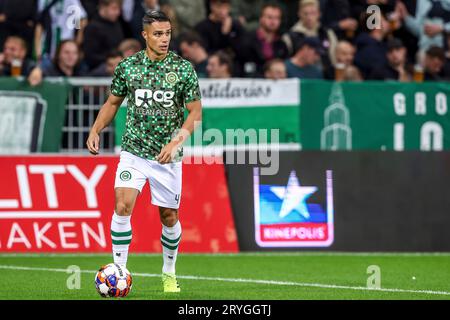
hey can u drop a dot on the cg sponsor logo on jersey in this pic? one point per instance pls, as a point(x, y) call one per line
point(285, 216)
point(144, 98)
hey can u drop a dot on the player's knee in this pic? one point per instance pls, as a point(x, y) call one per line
point(169, 217)
point(123, 208)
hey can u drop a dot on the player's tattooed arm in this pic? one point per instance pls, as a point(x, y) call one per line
point(192, 121)
point(105, 116)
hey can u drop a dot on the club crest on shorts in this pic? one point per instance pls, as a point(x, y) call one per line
point(125, 175)
point(171, 77)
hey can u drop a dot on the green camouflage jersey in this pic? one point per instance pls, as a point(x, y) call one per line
point(157, 92)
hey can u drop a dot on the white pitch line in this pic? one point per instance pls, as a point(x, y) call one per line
point(240, 280)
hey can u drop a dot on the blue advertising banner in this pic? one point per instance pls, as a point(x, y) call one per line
point(286, 215)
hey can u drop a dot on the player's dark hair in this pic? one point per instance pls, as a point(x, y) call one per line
point(154, 16)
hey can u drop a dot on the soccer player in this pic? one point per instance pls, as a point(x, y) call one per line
point(158, 85)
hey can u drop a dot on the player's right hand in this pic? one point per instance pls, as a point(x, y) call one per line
point(92, 142)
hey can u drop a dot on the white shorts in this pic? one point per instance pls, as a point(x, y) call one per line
point(164, 179)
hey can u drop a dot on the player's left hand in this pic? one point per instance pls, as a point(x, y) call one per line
point(167, 153)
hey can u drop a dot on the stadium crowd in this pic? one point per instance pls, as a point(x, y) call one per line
point(308, 39)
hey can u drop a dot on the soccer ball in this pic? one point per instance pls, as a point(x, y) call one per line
point(113, 280)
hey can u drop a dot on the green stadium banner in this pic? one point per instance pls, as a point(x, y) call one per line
point(374, 116)
point(326, 115)
point(246, 104)
point(31, 118)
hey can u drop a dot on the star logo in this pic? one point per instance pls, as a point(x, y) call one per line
point(291, 214)
point(146, 100)
point(294, 197)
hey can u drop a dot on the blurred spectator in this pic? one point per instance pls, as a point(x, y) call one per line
point(396, 67)
point(17, 18)
point(128, 10)
point(429, 23)
point(125, 19)
point(247, 12)
point(220, 66)
point(13, 61)
point(66, 62)
point(172, 15)
point(371, 47)
point(90, 6)
point(434, 64)
point(336, 14)
point(265, 43)
point(303, 64)
point(290, 10)
point(107, 68)
point(189, 13)
point(400, 31)
point(447, 59)
point(309, 25)
point(219, 30)
point(275, 69)
point(139, 9)
point(345, 53)
point(103, 34)
point(128, 47)
point(344, 69)
point(57, 20)
point(192, 49)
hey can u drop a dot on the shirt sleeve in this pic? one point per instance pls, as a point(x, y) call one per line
point(119, 84)
point(191, 88)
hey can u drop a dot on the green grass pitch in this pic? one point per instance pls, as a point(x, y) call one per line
point(258, 276)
